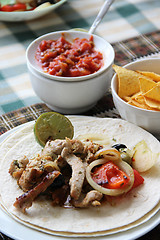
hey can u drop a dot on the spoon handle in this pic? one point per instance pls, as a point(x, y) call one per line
point(104, 9)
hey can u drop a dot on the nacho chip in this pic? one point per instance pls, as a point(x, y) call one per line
point(136, 95)
point(137, 104)
point(154, 93)
point(153, 104)
point(142, 105)
point(127, 99)
point(140, 98)
point(152, 75)
point(146, 84)
point(128, 82)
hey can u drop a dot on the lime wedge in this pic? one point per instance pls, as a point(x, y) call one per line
point(52, 125)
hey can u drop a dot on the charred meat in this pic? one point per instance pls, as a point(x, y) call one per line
point(25, 200)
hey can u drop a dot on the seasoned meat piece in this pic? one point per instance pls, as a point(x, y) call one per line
point(78, 172)
point(60, 195)
point(93, 197)
point(54, 148)
point(25, 200)
point(34, 171)
point(91, 149)
point(65, 149)
point(31, 175)
point(77, 146)
point(29, 178)
point(18, 166)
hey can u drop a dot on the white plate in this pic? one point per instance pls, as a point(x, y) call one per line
point(18, 231)
point(28, 15)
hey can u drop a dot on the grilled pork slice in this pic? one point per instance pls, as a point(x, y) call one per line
point(66, 150)
point(54, 148)
point(18, 166)
point(78, 172)
point(92, 198)
point(35, 171)
point(25, 200)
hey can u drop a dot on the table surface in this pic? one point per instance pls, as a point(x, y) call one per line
point(131, 26)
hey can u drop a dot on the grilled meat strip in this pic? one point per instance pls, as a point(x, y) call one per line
point(25, 200)
point(93, 197)
point(67, 149)
point(78, 172)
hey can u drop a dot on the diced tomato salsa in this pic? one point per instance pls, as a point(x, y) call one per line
point(62, 58)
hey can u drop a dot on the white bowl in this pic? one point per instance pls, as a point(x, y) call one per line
point(28, 15)
point(101, 45)
point(71, 95)
point(147, 119)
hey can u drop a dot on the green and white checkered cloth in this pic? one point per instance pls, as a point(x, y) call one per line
point(126, 19)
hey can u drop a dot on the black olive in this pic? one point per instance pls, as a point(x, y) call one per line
point(119, 146)
point(125, 153)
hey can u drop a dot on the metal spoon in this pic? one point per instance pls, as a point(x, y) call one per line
point(104, 9)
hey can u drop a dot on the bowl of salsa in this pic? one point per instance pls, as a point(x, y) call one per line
point(69, 59)
point(74, 68)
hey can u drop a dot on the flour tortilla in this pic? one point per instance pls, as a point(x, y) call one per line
point(137, 207)
point(18, 134)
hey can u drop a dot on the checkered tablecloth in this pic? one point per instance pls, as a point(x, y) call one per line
point(126, 19)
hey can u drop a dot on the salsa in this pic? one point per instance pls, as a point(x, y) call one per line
point(63, 58)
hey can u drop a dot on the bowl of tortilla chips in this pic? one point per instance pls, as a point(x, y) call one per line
point(136, 93)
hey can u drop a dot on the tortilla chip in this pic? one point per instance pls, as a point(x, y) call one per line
point(127, 99)
point(136, 104)
point(141, 102)
point(153, 104)
point(136, 95)
point(128, 81)
point(154, 76)
point(154, 93)
point(146, 84)
point(138, 100)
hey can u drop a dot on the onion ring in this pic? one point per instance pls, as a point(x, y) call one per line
point(108, 154)
point(111, 192)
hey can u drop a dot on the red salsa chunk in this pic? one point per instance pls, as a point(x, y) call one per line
point(62, 58)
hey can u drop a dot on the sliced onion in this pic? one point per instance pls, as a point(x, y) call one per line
point(98, 138)
point(112, 192)
point(50, 165)
point(108, 154)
